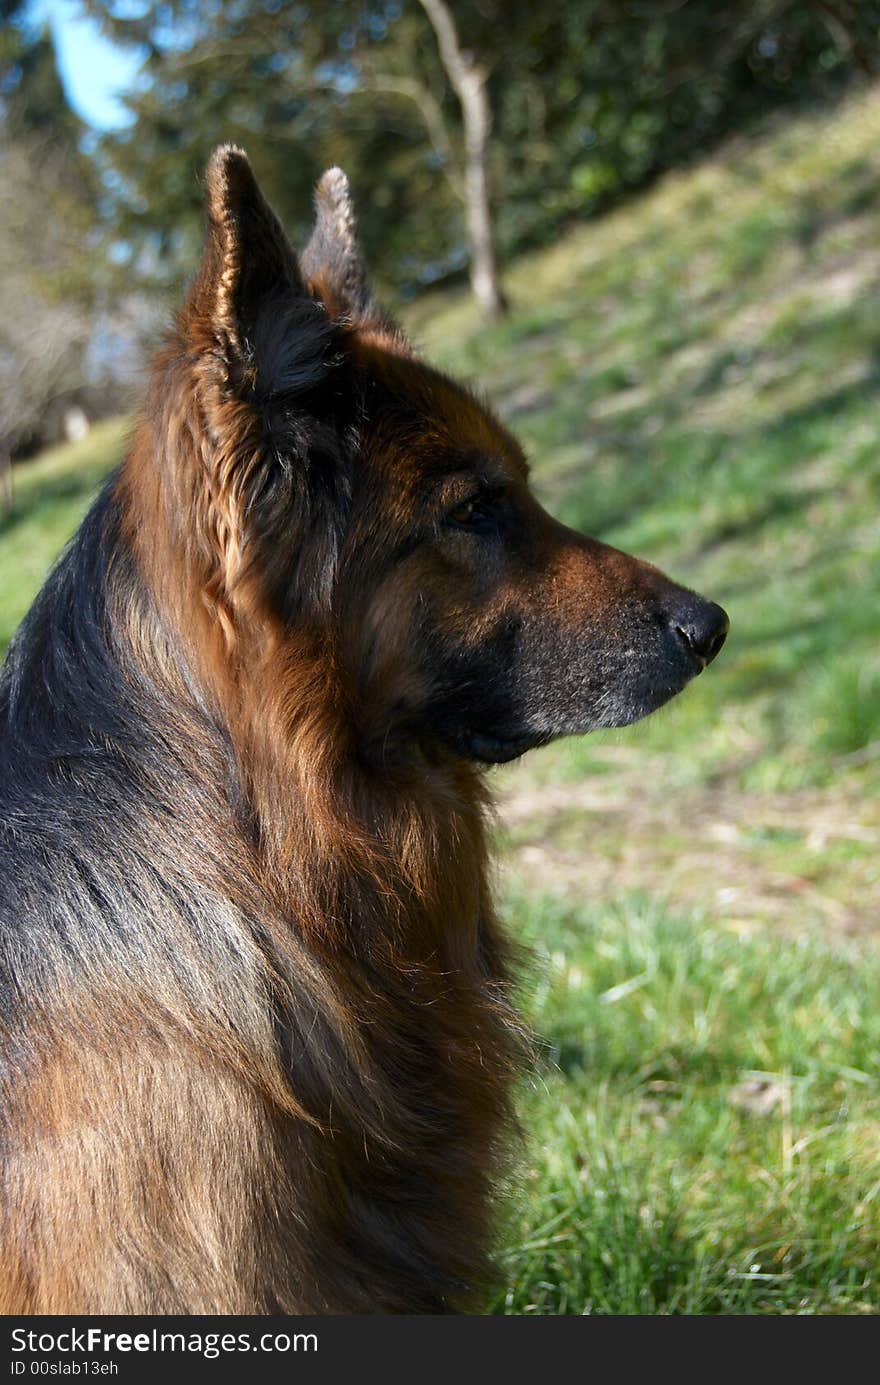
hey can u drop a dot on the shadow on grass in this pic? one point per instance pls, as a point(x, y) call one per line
point(652, 472)
point(34, 497)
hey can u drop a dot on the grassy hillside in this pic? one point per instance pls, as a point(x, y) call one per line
point(696, 378)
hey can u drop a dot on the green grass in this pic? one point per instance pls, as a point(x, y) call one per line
point(696, 379)
point(51, 496)
point(703, 1137)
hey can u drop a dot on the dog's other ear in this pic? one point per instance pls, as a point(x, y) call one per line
point(332, 263)
point(247, 257)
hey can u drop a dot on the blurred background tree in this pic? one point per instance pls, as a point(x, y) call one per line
point(471, 130)
point(67, 333)
point(48, 205)
point(588, 100)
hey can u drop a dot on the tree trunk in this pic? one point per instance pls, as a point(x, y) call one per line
point(468, 81)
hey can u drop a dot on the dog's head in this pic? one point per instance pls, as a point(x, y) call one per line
point(352, 497)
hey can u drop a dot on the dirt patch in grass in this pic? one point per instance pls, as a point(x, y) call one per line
point(787, 860)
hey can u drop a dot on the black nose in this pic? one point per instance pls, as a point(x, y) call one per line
point(703, 626)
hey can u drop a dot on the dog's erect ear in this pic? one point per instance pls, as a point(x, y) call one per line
point(246, 409)
point(331, 263)
point(247, 258)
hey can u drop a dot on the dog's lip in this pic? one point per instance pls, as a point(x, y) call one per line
point(497, 750)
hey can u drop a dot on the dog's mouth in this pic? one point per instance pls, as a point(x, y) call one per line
point(496, 750)
point(559, 692)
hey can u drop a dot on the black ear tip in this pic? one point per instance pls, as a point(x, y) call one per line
point(228, 178)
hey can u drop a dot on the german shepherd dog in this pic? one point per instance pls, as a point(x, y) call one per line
point(258, 1039)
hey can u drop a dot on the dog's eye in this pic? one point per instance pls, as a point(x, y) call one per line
point(475, 514)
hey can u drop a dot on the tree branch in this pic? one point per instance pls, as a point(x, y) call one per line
point(432, 116)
